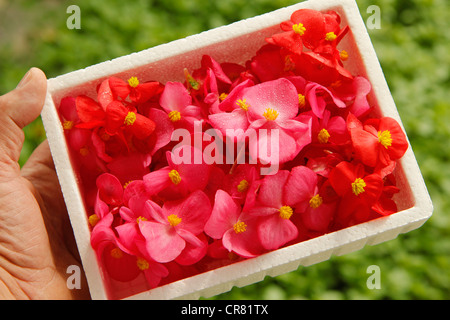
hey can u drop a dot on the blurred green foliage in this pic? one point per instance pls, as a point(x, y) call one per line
point(412, 45)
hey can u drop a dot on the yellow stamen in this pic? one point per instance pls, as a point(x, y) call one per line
point(141, 218)
point(174, 220)
point(84, 151)
point(142, 264)
point(133, 82)
point(116, 253)
point(330, 36)
point(126, 184)
point(243, 104)
point(240, 227)
point(174, 177)
point(286, 212)
point(67, 125)
point(301, 100)
point(289, 64)
point(223, 96)
point(93, 219)
point(336, 84)
point(190, 80)
point(243, 186)
point(358, 186)
point(323, 136)
point(315, 201)
point(270, 114)
point(299, 29)
point(104, 136)
point(385, 138)
point(344, 55)
point(130, 119)
point(174, 116)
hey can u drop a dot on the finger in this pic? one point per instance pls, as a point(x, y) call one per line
point(24, 104)
point(19, 108)
point(40, 171)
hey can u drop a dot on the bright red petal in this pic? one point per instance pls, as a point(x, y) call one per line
point(119, 87)
point(88, 110)
point(314, 23)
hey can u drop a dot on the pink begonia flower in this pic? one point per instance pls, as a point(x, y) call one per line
point(209, 64)
point(118, 264)
point(355, 90)
point(177, 102)
point(179, 179)
point(273, 105)
point(110, 189)
point(302, 191)
point(274, 227)
point(193, 252)
point(175, 224)
point(238, 230)
point(207, 82)
point(134, 243)
point(232, 113)
point(212, 96)
point(328, 130)
point(319, 97)
point(163, 130)
point(240, 181)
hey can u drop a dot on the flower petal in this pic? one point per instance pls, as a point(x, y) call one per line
point(274, 232)
point(279, 95)
point(223, 216)
point(300, 185)
point(271, 191)
point(245, 243)
point(110, 189)
point(175, 97)
point(163, 244)
point(194, 211)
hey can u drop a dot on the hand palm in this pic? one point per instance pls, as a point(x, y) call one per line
point(36, 241)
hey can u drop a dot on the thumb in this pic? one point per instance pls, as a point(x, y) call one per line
point(19, 108)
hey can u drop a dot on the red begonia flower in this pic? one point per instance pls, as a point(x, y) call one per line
point(119, 265)
point(137, 92)
point(306, 27)
point(180, 177)
point(377, 142)
point(359, 190)
point(177, 103)
point(319, 97)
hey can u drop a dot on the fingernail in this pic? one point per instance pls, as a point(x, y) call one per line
point(26, 78)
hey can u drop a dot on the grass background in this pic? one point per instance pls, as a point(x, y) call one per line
point(413, 48)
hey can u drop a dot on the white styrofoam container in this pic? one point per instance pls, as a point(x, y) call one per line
point(237, 42)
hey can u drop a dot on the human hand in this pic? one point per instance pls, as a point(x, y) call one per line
point(36, 240)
